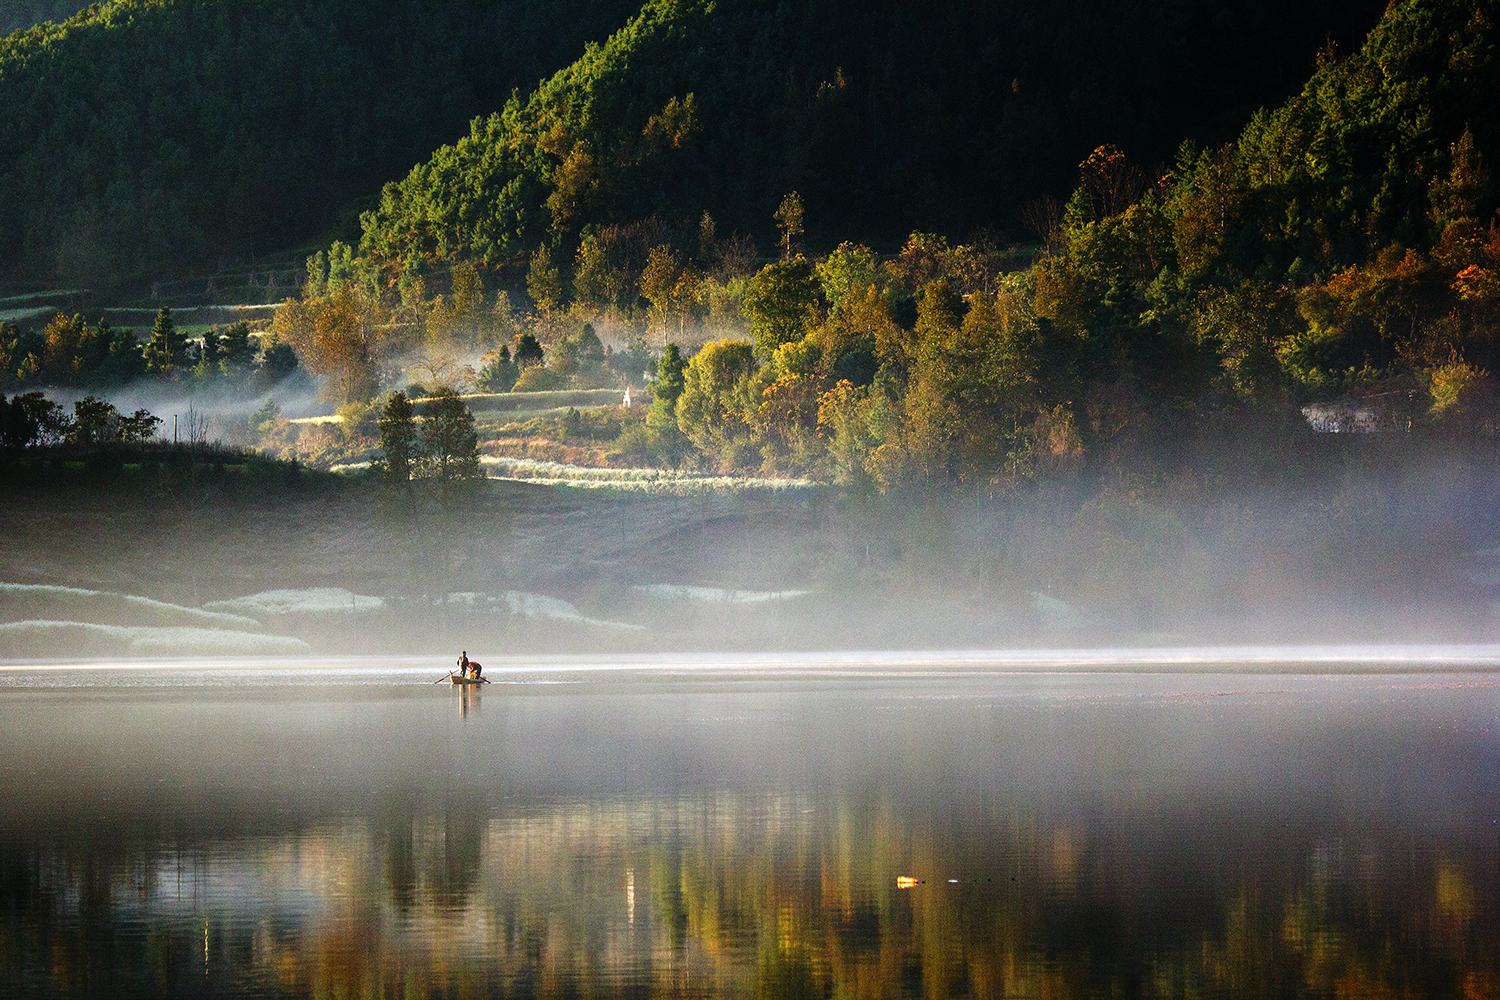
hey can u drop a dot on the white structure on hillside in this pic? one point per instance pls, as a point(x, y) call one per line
point(1342, 418)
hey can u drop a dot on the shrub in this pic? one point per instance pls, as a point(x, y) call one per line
point(537, 378)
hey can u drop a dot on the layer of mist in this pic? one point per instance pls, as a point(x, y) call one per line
point(1375, 542)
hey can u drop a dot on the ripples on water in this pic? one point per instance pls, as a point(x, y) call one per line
point(832, 826)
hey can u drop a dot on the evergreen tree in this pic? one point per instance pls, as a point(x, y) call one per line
point(528, 351)
point(277, 361)
point(166, 351)
point(497, 373)
point(670, 443)
point(208, 357)
point(450, 444)
point(234, 343)
point(123, 362)
point(398, 437)
point(669, 383)
point(265, 418)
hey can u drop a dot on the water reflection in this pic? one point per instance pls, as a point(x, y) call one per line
point(467, 702)
point(1307, 839)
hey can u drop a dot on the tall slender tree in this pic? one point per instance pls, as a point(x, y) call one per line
point(166, 351)
point(398, 437)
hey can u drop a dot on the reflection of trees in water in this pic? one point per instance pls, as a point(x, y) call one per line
point(773, 896)
point(463, 856)
point(400, 857)
point(429, 862)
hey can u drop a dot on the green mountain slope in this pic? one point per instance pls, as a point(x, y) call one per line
point(1344, 251)
point(885, 116)
point(147, 135)
point(1365, 153)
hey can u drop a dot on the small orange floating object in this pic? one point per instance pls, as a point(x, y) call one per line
point(905, 882)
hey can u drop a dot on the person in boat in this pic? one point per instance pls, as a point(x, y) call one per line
point(474, 670)
point(463, 664)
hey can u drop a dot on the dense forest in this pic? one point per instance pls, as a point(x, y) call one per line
point(1335, 263)
point(883, 116)
point(145, 138)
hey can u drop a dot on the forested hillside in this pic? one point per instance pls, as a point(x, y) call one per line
point(1345, 246)
point(1341, 254)
point(143, 136)
point(884, 116)
point(150, 136)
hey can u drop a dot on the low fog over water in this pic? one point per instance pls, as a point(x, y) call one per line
point(1381, 552)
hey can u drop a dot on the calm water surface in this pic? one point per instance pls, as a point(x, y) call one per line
point(937, 830)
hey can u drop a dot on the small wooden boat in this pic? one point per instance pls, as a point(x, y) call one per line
point(458, 681)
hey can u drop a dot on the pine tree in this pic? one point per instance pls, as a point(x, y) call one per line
point(166, 350)
point(398, 437)
point(449, 441)
point(208, 357)
point(669, 378)
point(234, 343)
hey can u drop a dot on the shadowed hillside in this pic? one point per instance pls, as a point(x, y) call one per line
point(140, 137)
point(145, 137)
point(884, 116)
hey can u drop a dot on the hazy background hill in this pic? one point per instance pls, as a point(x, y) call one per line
point(146, 137)
point(18, 14)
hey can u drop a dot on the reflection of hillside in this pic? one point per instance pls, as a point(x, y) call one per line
point(776, 895)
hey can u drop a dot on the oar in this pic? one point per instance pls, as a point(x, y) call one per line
point(441, 679)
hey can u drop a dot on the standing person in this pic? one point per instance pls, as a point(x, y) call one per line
point(463, 664)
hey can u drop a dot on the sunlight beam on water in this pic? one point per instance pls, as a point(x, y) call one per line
point(894, 664)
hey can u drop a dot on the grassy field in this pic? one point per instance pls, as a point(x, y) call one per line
point(665, 481)
point(538, 402)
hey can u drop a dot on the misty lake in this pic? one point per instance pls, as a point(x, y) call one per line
point(785, 828)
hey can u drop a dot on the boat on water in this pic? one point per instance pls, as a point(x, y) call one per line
point(458, 681)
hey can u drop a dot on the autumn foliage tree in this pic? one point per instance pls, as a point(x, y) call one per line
point(333, 334)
